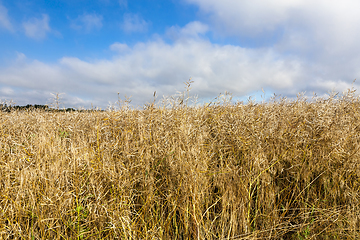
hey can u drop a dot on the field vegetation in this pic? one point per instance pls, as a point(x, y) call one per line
point(274, 170)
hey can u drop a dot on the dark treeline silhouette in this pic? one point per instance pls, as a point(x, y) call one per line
point(29, 107)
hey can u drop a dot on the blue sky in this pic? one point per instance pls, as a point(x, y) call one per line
point(91, 50)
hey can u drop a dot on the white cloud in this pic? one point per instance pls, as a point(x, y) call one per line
point(320, 28)
point(37, 28)
point(322, 35)
point(146, 67)
point(157, 66)
point(194, 28)
point(251, 17)
point(191, 30)
point(87, 22)
point(4, 18)
point(119, 47)
point(20, 57)
point(134, 23)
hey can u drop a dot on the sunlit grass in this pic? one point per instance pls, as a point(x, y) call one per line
point(276, 170)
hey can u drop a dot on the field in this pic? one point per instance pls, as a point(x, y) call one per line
point(276, 170)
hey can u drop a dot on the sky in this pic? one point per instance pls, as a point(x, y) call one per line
point(89, 51)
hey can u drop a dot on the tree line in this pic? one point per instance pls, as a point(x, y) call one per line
point(29, 107)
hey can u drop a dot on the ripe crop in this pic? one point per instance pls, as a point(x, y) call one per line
point(276, 170)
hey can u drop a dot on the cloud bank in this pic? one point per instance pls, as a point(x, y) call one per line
point(140, 70)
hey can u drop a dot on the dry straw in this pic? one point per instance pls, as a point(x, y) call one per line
point(277, 170)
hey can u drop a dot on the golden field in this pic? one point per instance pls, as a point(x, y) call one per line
point(276, 170)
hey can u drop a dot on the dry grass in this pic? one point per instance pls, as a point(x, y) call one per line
point(277, 170)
